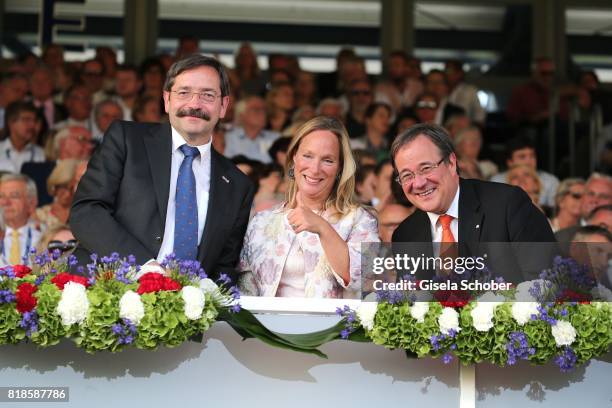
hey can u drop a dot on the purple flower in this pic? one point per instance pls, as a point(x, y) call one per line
point(29, 322)
point(566, 360)
point(125, 331)
point(235, 308)
point(345, 334)
point(6, 296)
point(518, 348)
point(447, 358)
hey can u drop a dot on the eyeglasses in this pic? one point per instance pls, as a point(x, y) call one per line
point(426, 105)
point(408, 177)
point(186, 96)
point(62, 246)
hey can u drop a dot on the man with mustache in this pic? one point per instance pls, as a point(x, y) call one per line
point(451, 209)
point(155, 189)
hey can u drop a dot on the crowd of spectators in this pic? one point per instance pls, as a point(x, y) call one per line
point(54, 113)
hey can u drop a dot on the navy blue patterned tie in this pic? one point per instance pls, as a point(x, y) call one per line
point(186, 215)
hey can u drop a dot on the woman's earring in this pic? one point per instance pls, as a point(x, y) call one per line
point(291, 173)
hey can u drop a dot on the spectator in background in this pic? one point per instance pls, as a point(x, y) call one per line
point(187, 45)
point(60, 187)
point(468, 143)
point(53, 56)
point(247, 69)
point(153, 75)
point(249, 138)
point(127, 87)
point(384, 174)
point(267, 196)
point(529, 102)
point(330, 84)
point(18, 202)
point(602, 217)
point(147, 109)
point(280, 103)
point(374, 140)
point(41, 88)
point(105, 113)
point(389, 218)
point(278, 151)
point(18, 147)
point(437, 85)
point(58, 238)
point(456, 123)
point(109, 59)
point(597, 192)
point(525, 177)
point(404, 120)
point(78, 105)
point(330, 107)
point(365, 184)
point(92, 75)
point(426, 108)
point(305, 89)
point(463, 94)
point(521, 150)
point(567, 200)
point(359, 98)
point(401, 86)
point(73, 142)
point(13, 88)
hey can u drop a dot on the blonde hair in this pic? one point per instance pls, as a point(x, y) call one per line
point(530, 172)
point(62, 174)
point(342, 198)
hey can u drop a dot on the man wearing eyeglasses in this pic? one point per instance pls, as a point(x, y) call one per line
point(455, 210)
point(155, 189)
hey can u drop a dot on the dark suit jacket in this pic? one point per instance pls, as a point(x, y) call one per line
point(40, 172)
point(492, 213)
point(120, 204)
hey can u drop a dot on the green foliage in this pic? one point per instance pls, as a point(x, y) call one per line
point(50, 327)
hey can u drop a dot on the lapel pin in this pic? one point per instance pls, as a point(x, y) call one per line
point(225, 179)
point(477, 226)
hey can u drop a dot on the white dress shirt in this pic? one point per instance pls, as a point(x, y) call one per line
point(201, 170)
point(11, 159)
point(28, 238)
point(436, 227)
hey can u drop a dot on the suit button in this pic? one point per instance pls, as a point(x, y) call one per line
point(158, 238)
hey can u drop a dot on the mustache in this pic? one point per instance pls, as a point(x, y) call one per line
point(197, 113)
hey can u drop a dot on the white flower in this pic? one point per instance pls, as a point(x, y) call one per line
point(131, 307)
point(522, 311)
point(418, 311)
point(151, 267)
point(564, 333)
point(194, 302)
point(482, 316)
point(209, 287)
point(366, 312)
point(73, 305)
point(449, 320)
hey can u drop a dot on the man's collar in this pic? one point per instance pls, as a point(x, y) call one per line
point(178, 141)
point(453, 210)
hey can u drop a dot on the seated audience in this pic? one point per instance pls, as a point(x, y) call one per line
point(18, 202)
point(567, 200)
point(60, 187)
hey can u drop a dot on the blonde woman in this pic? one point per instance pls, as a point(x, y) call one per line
point(60, 238)
point(60, 187)
point(568, 200)
point(526, 178)
point(310, 246)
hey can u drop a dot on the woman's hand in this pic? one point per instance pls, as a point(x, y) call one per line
point(303, 218)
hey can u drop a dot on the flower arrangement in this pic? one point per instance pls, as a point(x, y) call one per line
point(110, 304)
point(555, 318)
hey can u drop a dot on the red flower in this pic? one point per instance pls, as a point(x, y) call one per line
point(569, 295)
point(25, 297)
point(154, 282)
point(63, 278)
point(21, 270)
point(452, 298)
